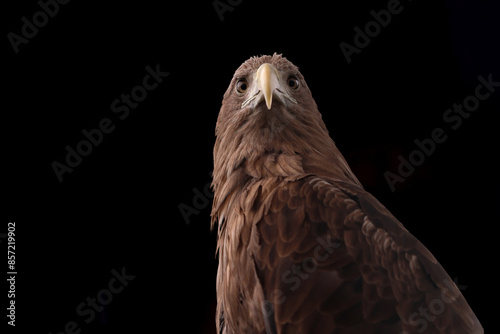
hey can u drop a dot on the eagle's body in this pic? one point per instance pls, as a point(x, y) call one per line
point(302, 247)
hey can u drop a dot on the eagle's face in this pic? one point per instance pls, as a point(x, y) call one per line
point(269, 100)
point(266, 82)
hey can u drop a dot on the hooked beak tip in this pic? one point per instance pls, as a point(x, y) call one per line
point(267, 80)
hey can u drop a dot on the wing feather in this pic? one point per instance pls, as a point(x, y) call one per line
point(331, 255)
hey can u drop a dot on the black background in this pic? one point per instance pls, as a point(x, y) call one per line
point(120, 206)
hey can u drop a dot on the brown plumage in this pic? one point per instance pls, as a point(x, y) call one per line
point(303, 248)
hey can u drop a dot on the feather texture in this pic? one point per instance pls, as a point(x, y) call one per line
point(303, 248)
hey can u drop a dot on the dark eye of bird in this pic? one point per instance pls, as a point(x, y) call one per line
point(241, 86)
point(293, 82)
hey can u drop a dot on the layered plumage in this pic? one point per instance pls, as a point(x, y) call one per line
point(303, 248)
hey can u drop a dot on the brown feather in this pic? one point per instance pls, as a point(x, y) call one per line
point(302, 247)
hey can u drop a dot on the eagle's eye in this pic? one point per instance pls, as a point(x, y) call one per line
point(293, 82)
point(241, 86)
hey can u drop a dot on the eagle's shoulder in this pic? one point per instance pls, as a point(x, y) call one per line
point(331, 239)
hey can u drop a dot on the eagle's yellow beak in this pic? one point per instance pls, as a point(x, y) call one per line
point(267, 81)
